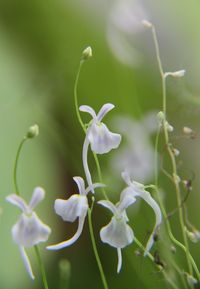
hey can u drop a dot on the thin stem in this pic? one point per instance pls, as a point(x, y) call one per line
point(41, 265)
point(171, 155)
point(16, 165)
point(161, 269)
point(83, 125)
point(103, 278)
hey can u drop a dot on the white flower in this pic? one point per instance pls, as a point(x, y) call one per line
point(29, 230)
point(117, 233)
point(101, 139)
point(135, 190)
point(75, 207)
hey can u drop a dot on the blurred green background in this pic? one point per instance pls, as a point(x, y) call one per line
point(40, 47)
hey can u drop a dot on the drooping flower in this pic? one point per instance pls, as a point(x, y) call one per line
point(118, 233)
point(29, 230)
point(101, 139)
point(135, 190)
point(71, 209)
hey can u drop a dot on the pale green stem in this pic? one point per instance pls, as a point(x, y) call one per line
point(103, 278)
point(95, 249)
point(172, 157)
point(41, 265)
point(158, 266)
point(18, 193)
point(83, 125)
point(16, 166)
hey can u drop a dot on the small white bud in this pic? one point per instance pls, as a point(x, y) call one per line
point(160, 117)
point(147, 24)
point(176, 74)
point(87, 53)
point(176, 178)
point(193, 236)
point(187, 130)
point(169, 127)
point(191, 280)
point(33, 131)
point(176, 152)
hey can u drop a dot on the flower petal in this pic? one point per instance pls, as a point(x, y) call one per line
point(104, 110)
point(30, 231)
point(37, 197)
point(109, 205)
point(119, 264)
point(102, 140)
point(94, 186)
point(89, 109)
point(85, 163)
point(151, 202)
point(81, 185)
point(117, 233)
point(26, 261)
point(126, 201)
point(17, 201)
point(76, 206)
point(71, 240)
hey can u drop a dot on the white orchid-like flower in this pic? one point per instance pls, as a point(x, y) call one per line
point(71, 209)
point(101, 139)
point(29, 230)
point(135, 190)
point(118, 233)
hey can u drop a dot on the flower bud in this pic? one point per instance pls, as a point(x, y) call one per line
point(160, 117)
point(169, 127)
point(176, 74)
point(87, 53)
point(176, 152)
point(33, 131)
point(147, 24)
point(194, 236)
point(191, 280)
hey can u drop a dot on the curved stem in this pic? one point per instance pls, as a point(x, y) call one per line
point(16, 166)
point(150, 256)
point(83, 126)
point(41, 265)
point(103, 278)
point(171, 155)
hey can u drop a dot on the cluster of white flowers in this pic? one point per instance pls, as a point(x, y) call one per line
point(117, 233)
point(29, 230)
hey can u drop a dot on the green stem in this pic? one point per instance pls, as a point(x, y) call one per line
point(83, 125)
point(161, 269)
point(103, 278)
point(171, 155)
point(41, 265)
point(16, 165)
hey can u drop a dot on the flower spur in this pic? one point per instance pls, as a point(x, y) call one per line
point(71, 209)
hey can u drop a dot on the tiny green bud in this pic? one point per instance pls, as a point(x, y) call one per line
point(176, 178)
point(33, 131)
point(87, 53)
point(160, 117)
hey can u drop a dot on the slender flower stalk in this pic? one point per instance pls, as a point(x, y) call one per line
point(87, 53)
point(21, 232)
point(16, 165)
point(94, 246)
point(171, 154)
